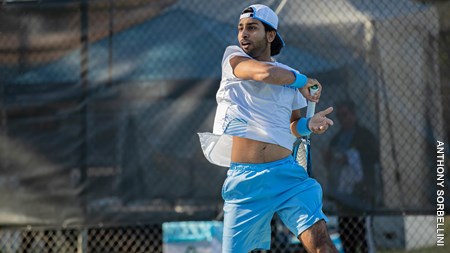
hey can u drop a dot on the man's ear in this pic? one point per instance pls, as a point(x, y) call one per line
point(270, 35)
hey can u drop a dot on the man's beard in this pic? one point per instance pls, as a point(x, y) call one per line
point(256, 51)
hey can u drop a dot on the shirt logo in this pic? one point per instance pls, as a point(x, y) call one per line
point(236, 127)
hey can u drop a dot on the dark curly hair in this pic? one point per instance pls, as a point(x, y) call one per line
point(276, 45)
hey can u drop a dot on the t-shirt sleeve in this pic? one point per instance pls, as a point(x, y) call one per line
point(230, 52)
point(299, 101)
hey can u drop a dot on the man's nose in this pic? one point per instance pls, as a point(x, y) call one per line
point(244, 34)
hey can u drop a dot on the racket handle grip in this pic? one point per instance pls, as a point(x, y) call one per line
point(311, 105)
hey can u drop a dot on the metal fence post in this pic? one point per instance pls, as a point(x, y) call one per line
point(82, 241)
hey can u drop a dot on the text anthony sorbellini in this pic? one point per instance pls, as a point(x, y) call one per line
point(440, 181)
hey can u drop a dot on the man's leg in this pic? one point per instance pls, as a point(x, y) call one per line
point(317, 240)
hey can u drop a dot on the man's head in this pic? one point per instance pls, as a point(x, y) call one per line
point(258, 29)
point(346, 115)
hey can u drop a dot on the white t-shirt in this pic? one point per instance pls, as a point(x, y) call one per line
point(249, 109)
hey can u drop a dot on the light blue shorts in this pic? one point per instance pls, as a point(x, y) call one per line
point(254, 192)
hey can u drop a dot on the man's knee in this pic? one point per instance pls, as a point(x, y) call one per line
point(317, 239)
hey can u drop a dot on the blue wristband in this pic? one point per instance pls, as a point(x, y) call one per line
point(302, 126)
point(300, 80)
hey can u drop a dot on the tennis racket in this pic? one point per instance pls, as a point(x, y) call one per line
point(302, 146)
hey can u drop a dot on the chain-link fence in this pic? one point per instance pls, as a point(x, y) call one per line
point(101, 102)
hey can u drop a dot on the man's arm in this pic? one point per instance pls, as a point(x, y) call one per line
point(318, 123)
point(250, 69)
point(296, 115)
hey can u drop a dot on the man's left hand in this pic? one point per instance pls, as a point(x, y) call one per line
point(319, 123)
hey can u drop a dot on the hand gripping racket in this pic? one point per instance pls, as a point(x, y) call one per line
point(302, 146)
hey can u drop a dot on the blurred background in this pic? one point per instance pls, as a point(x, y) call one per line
point(101, 102)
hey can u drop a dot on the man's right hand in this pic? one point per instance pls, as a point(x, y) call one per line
point(306, 91)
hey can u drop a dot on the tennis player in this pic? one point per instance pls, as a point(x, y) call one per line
point(257, 119)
